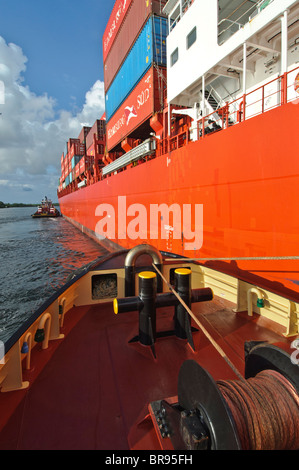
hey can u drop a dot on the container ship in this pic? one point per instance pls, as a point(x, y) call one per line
point(201, 117)
point(184, 337)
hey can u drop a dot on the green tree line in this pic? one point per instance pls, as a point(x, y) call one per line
point(15, 204)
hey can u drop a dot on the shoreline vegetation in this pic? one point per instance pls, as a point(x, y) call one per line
point(4, 205)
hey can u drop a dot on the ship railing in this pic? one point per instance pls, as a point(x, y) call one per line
point(172, 143)
point(45, 325)
point(178, 12)
point(275, 93)
point(228, 27)
point(43, 329)
point(278, 91)
point(227, 31)
point(162, 147)
point(178, 140)
point(213, 93)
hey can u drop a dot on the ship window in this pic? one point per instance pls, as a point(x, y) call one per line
point(174, 57)
point(191, 38)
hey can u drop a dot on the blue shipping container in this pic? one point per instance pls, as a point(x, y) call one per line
point(149, 48)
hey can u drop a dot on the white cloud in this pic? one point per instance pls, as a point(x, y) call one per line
point(94, 100)
point(33, 132)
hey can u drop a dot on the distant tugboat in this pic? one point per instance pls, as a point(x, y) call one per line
point(46, 209)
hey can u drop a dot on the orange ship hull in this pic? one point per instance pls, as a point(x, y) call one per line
point(245, 178)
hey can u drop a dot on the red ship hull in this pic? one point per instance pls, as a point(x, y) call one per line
point(246, 179)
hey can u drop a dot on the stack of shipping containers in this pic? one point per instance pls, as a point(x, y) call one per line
point(96, 136)
point(81, 153)
point(134, 52)
point(95, 145)
point(74, 152)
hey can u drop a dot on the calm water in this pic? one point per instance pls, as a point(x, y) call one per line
point(37, 255)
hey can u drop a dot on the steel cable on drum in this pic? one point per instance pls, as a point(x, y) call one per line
point(265, 410)
point(198, 323)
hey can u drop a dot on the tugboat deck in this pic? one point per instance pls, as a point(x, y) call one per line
point(95, 391)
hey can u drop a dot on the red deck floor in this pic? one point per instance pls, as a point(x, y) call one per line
point(97, 386)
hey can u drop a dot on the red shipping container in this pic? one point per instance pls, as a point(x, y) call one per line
point(142, 103)
point(67, 160)
point(77, 149)
point(71, 142)
point(77, 170)
point(89, 140)
point(84, 165)
point(117, 16)
point(99, 129)
point(132, 24)
point(83, 134)
point(91, 151)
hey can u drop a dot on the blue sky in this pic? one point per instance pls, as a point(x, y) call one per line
point(51, 67)
point(62, 40)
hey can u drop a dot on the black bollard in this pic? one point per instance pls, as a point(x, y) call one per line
point(147, 313)
point(182, 321)
point(130, 281)
point(145, 303)
point(149, 300)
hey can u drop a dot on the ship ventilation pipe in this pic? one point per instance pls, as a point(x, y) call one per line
point(130, 266)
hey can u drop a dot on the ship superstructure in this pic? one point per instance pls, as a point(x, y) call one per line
point(229, 51)
point(198, 156)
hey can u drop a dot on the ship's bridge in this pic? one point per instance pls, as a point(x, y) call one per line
point(222, 49)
